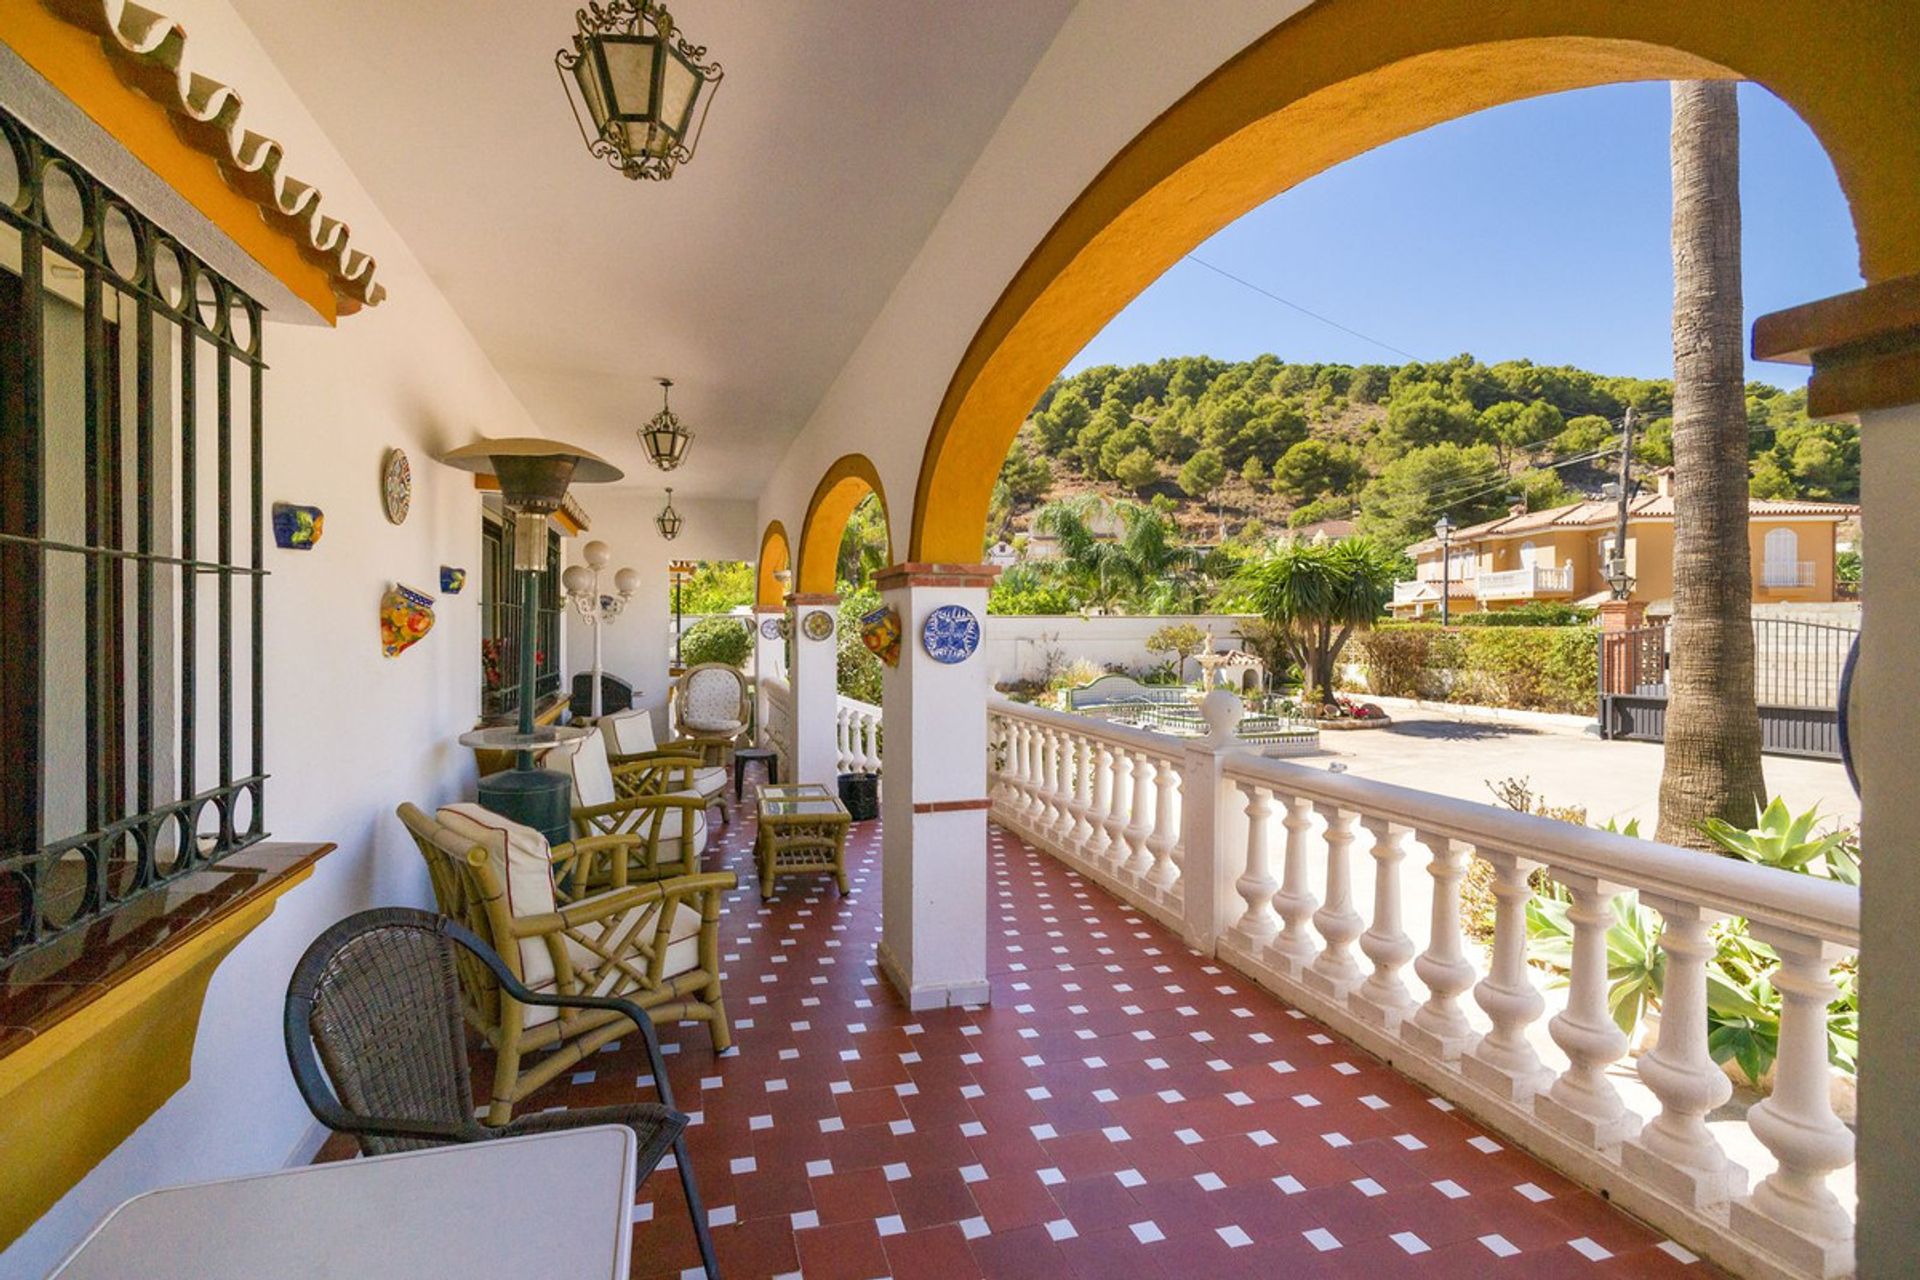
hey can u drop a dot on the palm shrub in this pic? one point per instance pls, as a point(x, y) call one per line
point(1319, 595)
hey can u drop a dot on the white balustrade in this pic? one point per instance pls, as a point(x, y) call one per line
point(857, 736)
point(1106, 798)
point(780, 720)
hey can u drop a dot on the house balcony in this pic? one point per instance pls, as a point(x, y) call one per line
point(1529, 583)
point(1786, 574)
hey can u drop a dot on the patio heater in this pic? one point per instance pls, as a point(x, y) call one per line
point(1443, 530)
point(533, 475)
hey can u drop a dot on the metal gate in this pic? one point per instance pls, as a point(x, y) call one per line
point(1796, 666)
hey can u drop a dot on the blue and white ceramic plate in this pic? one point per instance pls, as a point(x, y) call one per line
point(951, 634)
point(770, 627)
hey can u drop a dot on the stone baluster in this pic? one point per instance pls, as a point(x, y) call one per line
point(1027, 770)
point(1101, 807)
point(1295, 948)
point(1383, 998)
point(1166, 831)
point(1048, 812)
point(1675, 1150)
point(1080, 754)
point(1120, 803)
point(1583, 1102)
point(1792, 1211)
point(1063, 763)
point(1139, 858)
point(1334, 972)
point(842, 738)
point(1504, 1061)
point(1439, 1028)
point(1257, 924)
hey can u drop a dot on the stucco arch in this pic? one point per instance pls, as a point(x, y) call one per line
point(840, 490)
point(775, 555)
point(1344, 76)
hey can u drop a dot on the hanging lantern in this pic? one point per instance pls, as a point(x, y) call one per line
point(645, 89)
point(668, 521)
point(664, 439)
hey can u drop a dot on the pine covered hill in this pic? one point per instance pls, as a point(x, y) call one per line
point(1261, 445)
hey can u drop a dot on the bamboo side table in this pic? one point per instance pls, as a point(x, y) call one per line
point(803, 831)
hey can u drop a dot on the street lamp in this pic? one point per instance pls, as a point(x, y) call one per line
point(1443, 530)
point(582, 585)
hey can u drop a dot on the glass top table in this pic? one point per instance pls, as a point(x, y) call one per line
point(800, 800)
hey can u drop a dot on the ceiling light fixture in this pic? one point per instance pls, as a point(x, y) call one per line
point(645, 89)
point(665, 439)
point(668, 521)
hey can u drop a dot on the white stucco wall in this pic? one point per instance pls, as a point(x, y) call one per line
point(1115, 65)
point(350, 733)
point(1016, 648)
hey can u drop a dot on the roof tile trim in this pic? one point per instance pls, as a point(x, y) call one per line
point(148, 50)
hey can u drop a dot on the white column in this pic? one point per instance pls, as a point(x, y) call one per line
point(1439, 1028)
point(1504, 1061)
point(1675, 1150)
point(1792, 1211)
point(1209, 903)
point(767, 661)
point(1383, 998)
point(933, 946)
point(1583, 1102)
point(816, 694)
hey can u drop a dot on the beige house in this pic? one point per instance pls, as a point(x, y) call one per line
point(1561, 553)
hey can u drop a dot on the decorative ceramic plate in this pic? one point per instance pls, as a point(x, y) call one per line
point(770, 627)
point(396, 485)
point(818, 625)
point(951, 634)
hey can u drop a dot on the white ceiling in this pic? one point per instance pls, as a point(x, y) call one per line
point(839, 133)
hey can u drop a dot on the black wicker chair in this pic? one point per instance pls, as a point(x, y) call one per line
point(378, 1050)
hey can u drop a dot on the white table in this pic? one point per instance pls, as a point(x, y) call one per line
point(551, 1204)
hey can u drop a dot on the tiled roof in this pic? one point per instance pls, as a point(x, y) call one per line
point(149, 53)
point(1599, 515)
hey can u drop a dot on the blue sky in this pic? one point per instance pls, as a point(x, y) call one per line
point(1536, 230)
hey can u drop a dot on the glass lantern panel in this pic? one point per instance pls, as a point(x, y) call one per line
point(679, 90)
point(587, 73)
point(629, 69)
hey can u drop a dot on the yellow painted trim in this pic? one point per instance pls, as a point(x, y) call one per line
point(775, 555)
point(840, 490)
point(74, 1092)
point(75, 63)
point(1345, 76)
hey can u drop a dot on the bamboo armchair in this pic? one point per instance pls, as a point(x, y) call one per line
point(667, 828)
point(654, 944)
point(644, 766)
point(713, 706)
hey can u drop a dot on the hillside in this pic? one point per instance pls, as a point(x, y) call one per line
point(1259, 446)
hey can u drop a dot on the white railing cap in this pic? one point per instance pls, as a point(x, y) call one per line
point(1804, 904)
point(1143, 740)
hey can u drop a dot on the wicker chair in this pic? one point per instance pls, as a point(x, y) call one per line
point(713, 707)
point(373, 1035)
point(642, 766)
point(633, 800)
point(654, 946)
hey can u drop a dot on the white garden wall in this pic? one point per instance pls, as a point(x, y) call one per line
point(1018, 648)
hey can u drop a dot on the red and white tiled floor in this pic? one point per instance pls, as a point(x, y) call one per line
point(1122, 1108)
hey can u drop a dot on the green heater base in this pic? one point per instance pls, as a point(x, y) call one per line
point(537, 798)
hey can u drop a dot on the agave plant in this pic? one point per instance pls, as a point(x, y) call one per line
point(1636, 966)
point(1788, 842)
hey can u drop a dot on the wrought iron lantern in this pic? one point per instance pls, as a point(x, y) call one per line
point(664, 438)
point(668, 521)
point(645, 89)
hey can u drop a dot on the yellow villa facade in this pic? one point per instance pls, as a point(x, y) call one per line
point(1560, 554)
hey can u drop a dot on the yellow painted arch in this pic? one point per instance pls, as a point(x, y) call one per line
point(840, 490)
point(775, 555)
point(1344, 76)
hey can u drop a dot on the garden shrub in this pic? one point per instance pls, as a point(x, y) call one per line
point(1534, 613)
point(858, 670)
point(722, 640)
point(1526, 668)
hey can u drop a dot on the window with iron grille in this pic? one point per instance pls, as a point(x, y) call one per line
point(500, 622)
point(131, 571)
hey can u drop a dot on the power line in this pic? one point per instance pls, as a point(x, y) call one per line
point(1314, 315)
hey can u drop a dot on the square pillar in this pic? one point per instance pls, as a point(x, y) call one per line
point(769, 659)
point(815, 678)
point(933, 946)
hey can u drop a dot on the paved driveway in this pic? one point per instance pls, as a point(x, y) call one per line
point(1457, 753)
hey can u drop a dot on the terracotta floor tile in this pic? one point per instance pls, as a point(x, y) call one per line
point(958, 1142)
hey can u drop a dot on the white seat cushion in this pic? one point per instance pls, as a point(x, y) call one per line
point(672, 826)
point(711, 700)
point(522, 861)
point(709, 782)
point(629, 733)
point(586, 760)
point(683, 944)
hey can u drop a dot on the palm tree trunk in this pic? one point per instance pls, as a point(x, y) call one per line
point(1712, 764)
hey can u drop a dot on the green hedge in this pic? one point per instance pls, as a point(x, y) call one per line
point(1527, 668)
point(722, 640)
